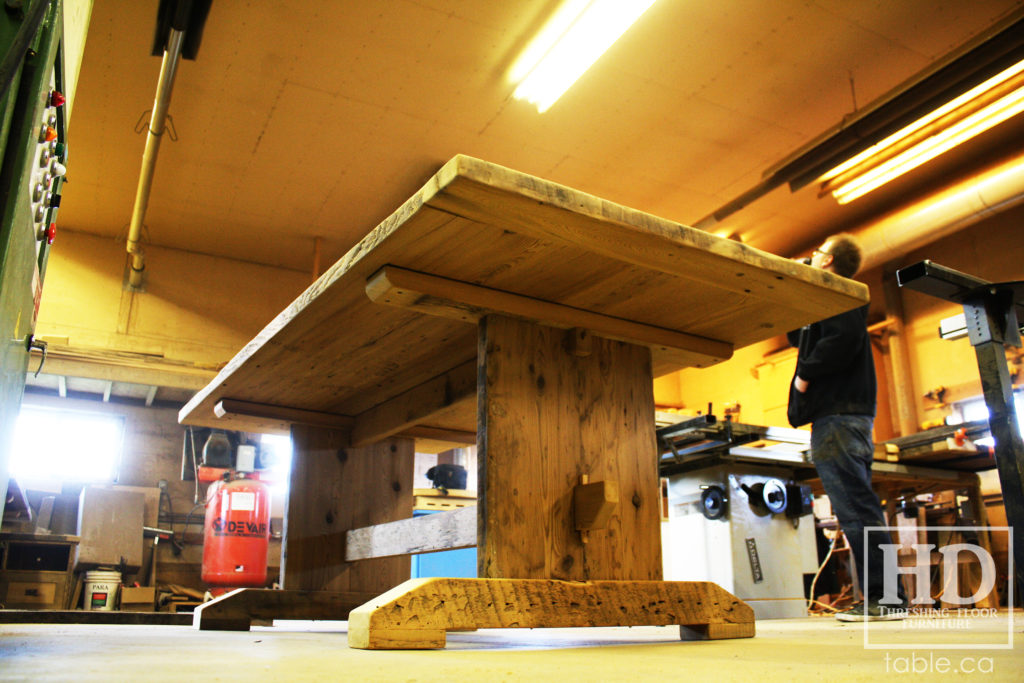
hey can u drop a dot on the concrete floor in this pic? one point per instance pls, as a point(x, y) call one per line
point(811, 649)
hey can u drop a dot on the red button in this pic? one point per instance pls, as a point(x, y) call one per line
point(51, 232)
point(57, 99)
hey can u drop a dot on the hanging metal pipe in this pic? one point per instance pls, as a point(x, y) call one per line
point(317, 246)
point(164, 86)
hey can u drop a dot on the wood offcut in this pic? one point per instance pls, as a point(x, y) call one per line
point(593, 503)
point(425, 534)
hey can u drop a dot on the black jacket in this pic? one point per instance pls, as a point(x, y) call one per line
point(835, 358)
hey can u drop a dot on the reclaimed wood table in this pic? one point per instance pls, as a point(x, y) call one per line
point(528, 318)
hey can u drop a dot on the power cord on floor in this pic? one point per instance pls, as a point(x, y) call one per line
point(831, 549)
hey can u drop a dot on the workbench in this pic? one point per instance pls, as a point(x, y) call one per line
point(36, 570)
point(500, 309)
point(708, 462)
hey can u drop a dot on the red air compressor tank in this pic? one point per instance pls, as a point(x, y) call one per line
point(237, 533)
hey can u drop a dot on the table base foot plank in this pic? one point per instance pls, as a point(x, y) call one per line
point(717, 631)
point(245, 607)
point(547, 418)
point(334, 488)
point(417, 614)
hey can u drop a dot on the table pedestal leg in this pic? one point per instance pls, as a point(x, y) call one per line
point(550, 413)
point(558, 411)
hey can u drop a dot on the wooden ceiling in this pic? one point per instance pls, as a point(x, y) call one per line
point(317, 119)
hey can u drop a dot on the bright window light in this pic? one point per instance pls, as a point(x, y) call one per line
point(276, 456)
point(575, 37)
point(975, 410)
point(66, 446)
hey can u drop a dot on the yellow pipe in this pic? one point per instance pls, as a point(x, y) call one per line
point(165, 84)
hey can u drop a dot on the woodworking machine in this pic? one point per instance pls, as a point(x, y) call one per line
point(735, 515)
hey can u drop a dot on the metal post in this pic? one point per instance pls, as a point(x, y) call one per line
point(990, 310)
point(992, 325)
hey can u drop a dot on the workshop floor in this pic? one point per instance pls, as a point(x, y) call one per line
point(812, 649)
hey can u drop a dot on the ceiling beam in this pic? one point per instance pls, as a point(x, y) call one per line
point(232, 407)
point(433, 295)
point(123, 366)
point(417, 406)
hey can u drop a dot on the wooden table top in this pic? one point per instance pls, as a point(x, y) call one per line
point(335, 351)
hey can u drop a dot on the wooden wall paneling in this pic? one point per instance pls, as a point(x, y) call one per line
point(335, 488)
point(546, 418)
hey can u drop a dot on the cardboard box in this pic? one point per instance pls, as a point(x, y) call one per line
point(151, 507)
point(138, 599)
point(110, 526)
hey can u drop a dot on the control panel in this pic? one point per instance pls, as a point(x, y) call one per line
point(47, 168)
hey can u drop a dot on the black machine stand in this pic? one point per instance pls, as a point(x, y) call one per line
point(991, 311)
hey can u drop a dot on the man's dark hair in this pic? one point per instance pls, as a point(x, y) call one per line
point(846, 254)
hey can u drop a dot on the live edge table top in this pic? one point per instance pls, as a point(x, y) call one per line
point(558, 255)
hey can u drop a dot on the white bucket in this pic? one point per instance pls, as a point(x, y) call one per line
point(101, 588)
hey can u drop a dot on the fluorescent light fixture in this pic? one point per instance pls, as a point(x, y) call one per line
point(575, 37)
point(980, 108)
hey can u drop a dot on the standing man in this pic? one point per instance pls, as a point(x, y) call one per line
point(834, 389)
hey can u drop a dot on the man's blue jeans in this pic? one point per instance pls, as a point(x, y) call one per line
point(842, 451)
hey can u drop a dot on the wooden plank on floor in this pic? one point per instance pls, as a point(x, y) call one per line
point(235, 611)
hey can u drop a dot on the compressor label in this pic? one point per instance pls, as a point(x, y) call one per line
point(243, 500)
point(223, 527)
